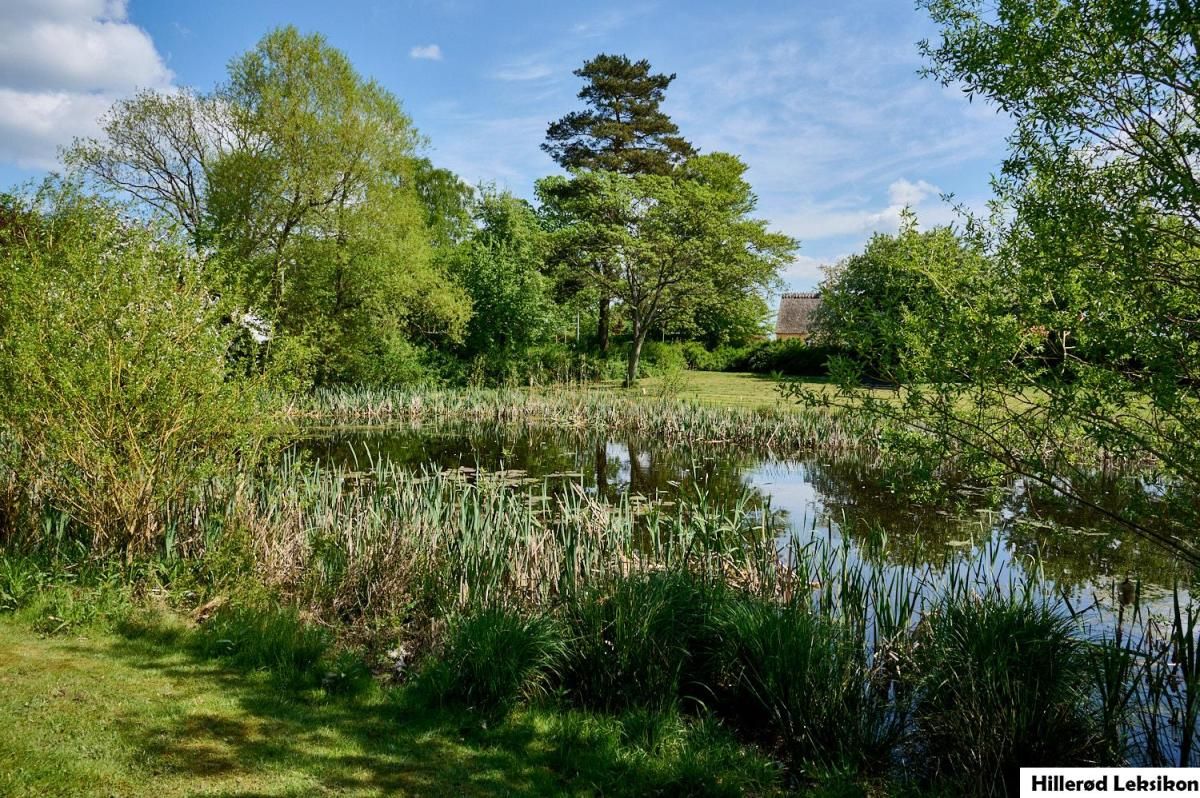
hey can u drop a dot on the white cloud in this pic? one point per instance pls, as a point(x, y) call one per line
point(62, 64)
point(858, 217)
point(427, 52)
point(904, 192)
point(835, 126)
point(806, 271)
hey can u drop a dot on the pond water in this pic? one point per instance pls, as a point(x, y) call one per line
point(846, 499)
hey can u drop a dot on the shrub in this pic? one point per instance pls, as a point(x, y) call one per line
point(723, 358)
point(645, 640)
point(124, 406)
point(494, 658)
point(803, 680)
point(1004, 685)
point(793, 357)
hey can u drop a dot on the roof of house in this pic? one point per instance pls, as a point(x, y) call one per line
point(797, 313)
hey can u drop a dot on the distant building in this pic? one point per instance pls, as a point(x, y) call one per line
point(797, 315)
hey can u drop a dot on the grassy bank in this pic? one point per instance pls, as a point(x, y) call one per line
point(713, 388)
point(144, 715)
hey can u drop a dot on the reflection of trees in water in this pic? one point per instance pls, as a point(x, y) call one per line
point(1075, 545)
point(1081, 544)
point(629, 466)
point(1072, 544)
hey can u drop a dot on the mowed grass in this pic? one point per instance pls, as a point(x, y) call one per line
point(102, 715)
point(715, 388)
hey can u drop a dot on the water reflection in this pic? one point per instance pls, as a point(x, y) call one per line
point(845, 499)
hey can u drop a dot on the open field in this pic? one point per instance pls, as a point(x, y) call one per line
point(716, 388)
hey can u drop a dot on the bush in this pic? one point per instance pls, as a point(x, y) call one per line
point(495, 658)
point(793, 357)
point(721, 359)
point(113, 368)
point(646, 640)
point(803, 680)
point(268, 637)
point(1004, 685)
point(658, 357)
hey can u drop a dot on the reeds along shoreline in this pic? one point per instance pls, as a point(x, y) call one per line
point(787, 427)
point(699, 607)
point(826, 654)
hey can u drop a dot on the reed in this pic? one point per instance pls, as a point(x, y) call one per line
point(787, 427)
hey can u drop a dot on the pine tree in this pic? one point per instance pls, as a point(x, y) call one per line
point(622, 130)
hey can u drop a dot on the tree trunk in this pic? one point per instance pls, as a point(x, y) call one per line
point(635, 352)
point(600, 463)
point(603, 325)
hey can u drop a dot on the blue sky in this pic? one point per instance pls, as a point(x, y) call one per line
point(822, 100)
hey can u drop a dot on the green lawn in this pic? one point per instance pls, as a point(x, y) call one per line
point(102, 715)
point(717, 388)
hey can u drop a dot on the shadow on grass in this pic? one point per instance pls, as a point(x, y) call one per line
point(384, 742)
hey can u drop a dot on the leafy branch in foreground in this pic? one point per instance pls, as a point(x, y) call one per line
point(1076, 344)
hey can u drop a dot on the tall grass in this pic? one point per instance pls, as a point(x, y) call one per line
point(1004, 684)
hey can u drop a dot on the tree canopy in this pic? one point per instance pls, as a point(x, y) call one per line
point(623, 128)
point(298, 179)
point(672, 240)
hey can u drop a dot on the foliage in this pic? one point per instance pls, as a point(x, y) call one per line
point(447, 202)
point(124, 406)
point(623, 130)
point(1004, 685)
point(867, 298)
point(672, 242)
point(238, 733)
point(804, 680)
point(297, 182)
point(265, 636)
point(499, 267)
point(1081, 327)
point(791, 357)
point(495, 657)
point(647, 640)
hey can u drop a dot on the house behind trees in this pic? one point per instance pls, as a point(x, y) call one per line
point(797, 315)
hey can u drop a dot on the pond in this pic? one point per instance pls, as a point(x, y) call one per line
point(845, 499)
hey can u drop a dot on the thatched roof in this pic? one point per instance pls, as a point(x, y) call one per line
point(797, 313)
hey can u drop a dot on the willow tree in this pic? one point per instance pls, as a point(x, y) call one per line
point(295, 178)
point(673, 241)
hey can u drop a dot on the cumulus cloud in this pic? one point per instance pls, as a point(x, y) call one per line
point(426, 52)
point(904, 192)
point(62, 64)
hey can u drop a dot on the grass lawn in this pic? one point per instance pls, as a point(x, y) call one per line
point(716, 388)
point(107, 715)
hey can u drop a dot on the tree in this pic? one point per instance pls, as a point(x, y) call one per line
point(623, 130)
point(1079, 346)
point(867, 297)
point(447, 201)
point(297, 179)
point(674, 240)
point(499, 266)
point(121, 403)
